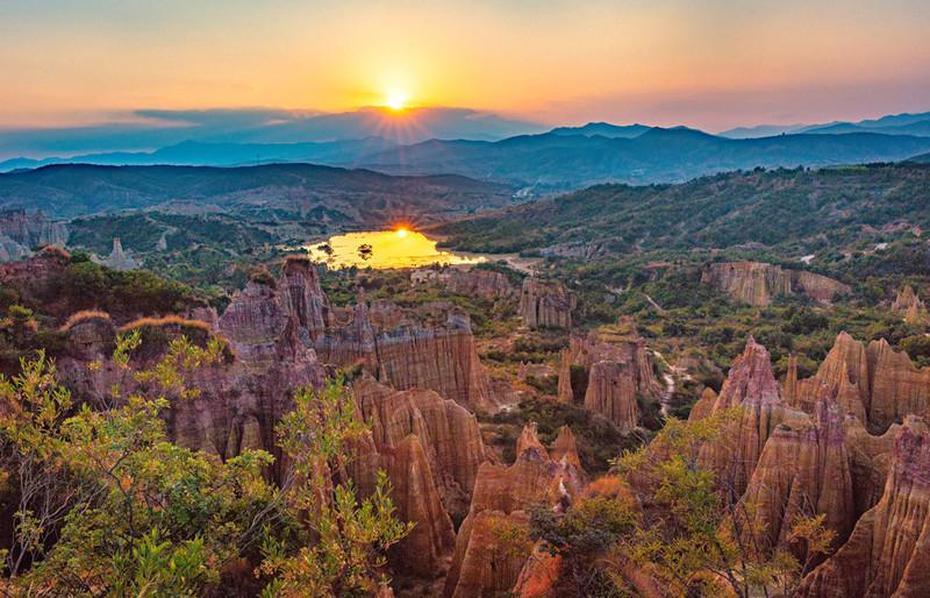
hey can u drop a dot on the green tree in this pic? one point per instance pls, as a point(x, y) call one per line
point(340, 549)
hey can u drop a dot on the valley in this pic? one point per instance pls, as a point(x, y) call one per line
point(488, 391)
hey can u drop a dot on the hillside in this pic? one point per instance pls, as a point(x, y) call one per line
point(799, 211)
point(277, 191)
point(564, 161)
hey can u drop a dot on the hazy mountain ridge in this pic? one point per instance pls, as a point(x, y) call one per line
point(659, 155)
point(361, 196)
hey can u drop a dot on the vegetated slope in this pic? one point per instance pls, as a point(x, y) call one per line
point(290, 190)
point(823, 207)
point(564, 161)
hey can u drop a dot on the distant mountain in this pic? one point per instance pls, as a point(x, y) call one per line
point(152, 129)
point(920, 128)
point(603, 129)
point(761, 131)
point(557, 161)
point(194, 153)
point(892, 124)
point(921, 159)
point(278, 192)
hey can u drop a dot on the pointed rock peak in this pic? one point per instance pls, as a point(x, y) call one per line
point(704, 405)
point(528, 443)
point(750, 379)
point(565, 449)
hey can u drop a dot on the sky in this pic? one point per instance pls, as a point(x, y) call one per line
point(712, 64)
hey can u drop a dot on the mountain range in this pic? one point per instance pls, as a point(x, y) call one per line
point(274, 192)
point(564, 158)
point(893, 124)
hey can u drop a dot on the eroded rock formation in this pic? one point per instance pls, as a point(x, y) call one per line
point(803, 470)
point(546, 304)
point(888, 552)
point(751, 386)
point(118, 259)
point(22, 231)
point(875, 383)
point(758, 283)
point(490, 548)
point(480, 283)
point(447, 432)
point(620, 370)
point(910, 306)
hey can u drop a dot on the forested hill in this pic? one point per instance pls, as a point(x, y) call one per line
point(800, 210)
point(307, 190)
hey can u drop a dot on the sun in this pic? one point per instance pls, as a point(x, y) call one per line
point(401, 231)
point(396, 100)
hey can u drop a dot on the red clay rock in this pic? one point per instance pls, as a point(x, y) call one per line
point(888, 552)
point(545, 304)
point(491, 547)
point(804, 470)
point(758, 283)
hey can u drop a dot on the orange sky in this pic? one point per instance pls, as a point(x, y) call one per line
point(712, 63)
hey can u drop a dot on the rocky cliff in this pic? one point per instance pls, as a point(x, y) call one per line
point(546, 304)
point(910, 306)
point(475, 282)
point(750, 386)
point(888, 552)
point(22, 231)
point(875, 383)
point(491, 547)
point(431, 348)
point(620, 370)
point(405, 352)
point(804, 469)
point(448, 433)
point(758, 283)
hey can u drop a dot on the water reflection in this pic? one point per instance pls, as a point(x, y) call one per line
point(399, 248)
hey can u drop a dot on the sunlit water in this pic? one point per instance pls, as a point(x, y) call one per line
point(389, 249)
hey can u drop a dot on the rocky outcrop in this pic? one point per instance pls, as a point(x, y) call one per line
point(546, 304)
point(448, 433)
point(401, 350)
point(118, 258)
point(302, 298)
point(897, 388)
point(888, 552)
point(620, 371)
point(874, 383)
point(416, 496)
point(22, 231)
point(565, 392)
point(491, 546)
point(910, 306)
point(758, 283)
point(803, 470)
point(611, 393)
point(751, 386)
point(564, 449)
point(479, 283)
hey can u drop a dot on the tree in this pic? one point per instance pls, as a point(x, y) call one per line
point(107, 502)
point(341, 549)
point(660, 523)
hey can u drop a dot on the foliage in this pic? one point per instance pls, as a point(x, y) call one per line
point(344, 552)
point(662, 514)
point(108, 505)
